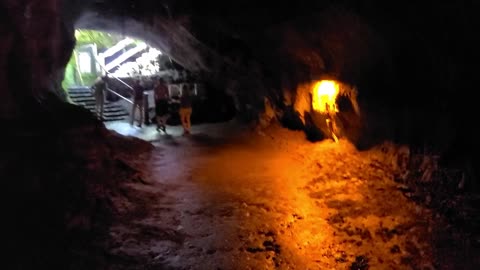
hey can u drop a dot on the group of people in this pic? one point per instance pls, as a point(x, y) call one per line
point(163, 103)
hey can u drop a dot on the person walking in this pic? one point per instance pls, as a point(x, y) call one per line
point(99, 88)
point(161, 105)
point(185, 110)
point(137, 103)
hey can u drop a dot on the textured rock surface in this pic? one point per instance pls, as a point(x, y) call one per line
point(411, 63)
point(276, 201)
point(399, 63)
point(58, 180)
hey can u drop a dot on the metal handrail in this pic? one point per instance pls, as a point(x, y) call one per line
point(126, 99)
point(109, 73)
point(115, 77)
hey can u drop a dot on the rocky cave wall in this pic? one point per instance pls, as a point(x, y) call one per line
point(410, 62)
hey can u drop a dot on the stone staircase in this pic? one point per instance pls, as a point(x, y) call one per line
point(82, 96)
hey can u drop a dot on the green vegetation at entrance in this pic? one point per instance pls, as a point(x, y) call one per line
point(101, 41)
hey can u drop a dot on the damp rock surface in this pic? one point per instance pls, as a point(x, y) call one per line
point(268, 200)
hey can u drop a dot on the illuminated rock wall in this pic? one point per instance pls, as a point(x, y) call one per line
point(408, 70)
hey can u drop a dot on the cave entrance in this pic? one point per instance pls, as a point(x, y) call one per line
point(97, 53)
point(124, 59)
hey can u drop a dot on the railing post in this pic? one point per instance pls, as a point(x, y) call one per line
point(146, 115)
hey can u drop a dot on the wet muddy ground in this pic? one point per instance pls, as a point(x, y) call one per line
point(216, 200)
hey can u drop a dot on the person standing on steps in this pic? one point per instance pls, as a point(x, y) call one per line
point(137, 102)
point(161, 105)
point(185, 111)
point(99, 88)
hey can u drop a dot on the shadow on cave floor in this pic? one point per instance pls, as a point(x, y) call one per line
point(270, 201)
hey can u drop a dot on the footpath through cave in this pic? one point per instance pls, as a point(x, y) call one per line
point(229, 198)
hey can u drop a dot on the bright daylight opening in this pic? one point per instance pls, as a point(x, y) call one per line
point(123, 80)
point(97, 53)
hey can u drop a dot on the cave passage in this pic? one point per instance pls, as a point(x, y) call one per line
point(97, 53)
point(326, 135)
point(123, 60)
point(227, 198)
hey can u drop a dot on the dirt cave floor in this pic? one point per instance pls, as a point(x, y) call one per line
point(265, 200)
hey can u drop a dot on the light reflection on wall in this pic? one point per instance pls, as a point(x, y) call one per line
point(324, 96)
